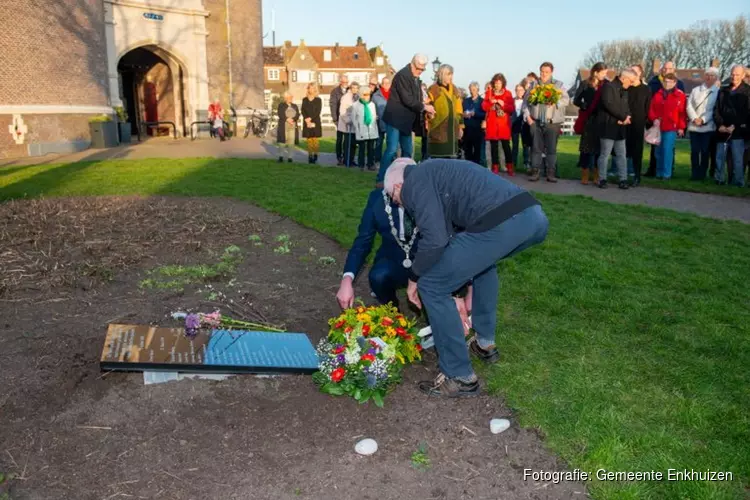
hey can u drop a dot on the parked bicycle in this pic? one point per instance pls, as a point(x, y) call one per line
point(259, 123)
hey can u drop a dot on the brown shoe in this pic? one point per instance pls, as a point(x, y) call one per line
point(551, 174)
point(584, 176)
point(445, 387)
point(596, 175)
point(534, 175)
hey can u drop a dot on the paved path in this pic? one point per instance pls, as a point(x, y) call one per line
point(708, 205)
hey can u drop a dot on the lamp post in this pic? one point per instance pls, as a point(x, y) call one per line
point(435, 67)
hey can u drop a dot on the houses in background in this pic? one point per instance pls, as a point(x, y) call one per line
point(291, 67)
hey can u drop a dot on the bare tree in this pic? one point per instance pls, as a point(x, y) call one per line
point(696, 47)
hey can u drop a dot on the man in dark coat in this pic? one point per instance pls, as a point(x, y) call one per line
point(732, 118)
point(402, 112)
point(335, 100)
point(388, 273)
point(468, 219)
point(613, 117)
point(639, 100)
point(655, 85)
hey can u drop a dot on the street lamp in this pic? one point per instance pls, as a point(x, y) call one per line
point(435, 67)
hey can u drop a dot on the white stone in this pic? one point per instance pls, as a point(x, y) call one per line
point(366, 447)
point(498, 425)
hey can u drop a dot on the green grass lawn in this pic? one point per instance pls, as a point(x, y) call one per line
point(625, 337)
point(568, 162)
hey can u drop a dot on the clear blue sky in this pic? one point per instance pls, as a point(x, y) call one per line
point(482, 37)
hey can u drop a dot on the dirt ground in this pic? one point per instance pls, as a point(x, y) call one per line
point(68, 431)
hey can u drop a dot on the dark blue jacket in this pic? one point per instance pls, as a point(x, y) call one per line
point(448, 196)
point(475, 122)
point(375, 221)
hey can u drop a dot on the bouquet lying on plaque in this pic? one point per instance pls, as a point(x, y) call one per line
point(195, 321)
point(365, 351)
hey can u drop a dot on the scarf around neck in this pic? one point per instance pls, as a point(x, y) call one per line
point(385, 93)
point(368, 112)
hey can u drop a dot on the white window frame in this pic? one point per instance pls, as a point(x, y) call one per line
point(327, 55)
point(379, 61)
point(274, 74)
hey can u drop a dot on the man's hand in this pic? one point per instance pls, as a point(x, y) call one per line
point(345, 296)
point(413, 294)
point(463, 313)
point(530, 120)
point(698, 122)
point(723, 129)
point(680, 133)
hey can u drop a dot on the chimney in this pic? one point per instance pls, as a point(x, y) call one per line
point(656, 66)
point(301, 42)
point(359, 41)
point(287, 44)
point(336, 48)
point(715, 62)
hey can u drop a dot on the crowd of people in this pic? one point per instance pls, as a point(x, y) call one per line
point(377, 123)
point(617, 116)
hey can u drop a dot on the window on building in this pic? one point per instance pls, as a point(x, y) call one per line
point(356, 56)
point(328, 78)
point(327, 55)
point(294, 76)
point(379, 60)
point(274, 74)
point(267, 99)
point(304, 76)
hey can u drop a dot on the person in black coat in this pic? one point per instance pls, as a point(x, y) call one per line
point(613, 117)
point(312, 129)
point(335, 100)
point(287, 132)
point(639, 100)
point(403, 111)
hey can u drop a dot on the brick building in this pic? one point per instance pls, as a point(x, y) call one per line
point(162, 60)
point(291, 67)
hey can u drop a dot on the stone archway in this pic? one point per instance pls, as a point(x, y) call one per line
point(152, 87)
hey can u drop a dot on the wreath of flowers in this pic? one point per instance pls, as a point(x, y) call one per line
point(365, 351)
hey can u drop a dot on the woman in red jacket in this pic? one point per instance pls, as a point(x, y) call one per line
point(668, 112)
point(499, 106)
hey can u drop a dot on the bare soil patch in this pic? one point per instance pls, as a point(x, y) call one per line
point(71, 266)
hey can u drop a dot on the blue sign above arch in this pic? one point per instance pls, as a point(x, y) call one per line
point(153, 17)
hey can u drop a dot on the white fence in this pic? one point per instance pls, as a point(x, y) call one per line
point(567, 128)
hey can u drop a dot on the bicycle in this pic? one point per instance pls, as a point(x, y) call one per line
point(260, 123)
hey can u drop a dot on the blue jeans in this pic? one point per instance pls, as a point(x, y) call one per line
point(386, 277)
point(665, 155)
point(393, 138)
point(700, 143)
point(738, 150)
point(473, 257)
point(606, 146)
point(483, 153)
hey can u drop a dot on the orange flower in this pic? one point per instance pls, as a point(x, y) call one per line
point(547, 93)
point(348, 329)
point(339, 324)
point(360, 310)
point(419, 347)
point(386, 321)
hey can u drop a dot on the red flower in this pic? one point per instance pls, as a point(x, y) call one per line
point(408, 337)
point(340, 324)
point(368, 357)
point(386, 321)
point(419, 347)
point(400, 331)
point(547, 93)
point(365, 330)
point(337, 374)
point(348, 329)
point(339, 349)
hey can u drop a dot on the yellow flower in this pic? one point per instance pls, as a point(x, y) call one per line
point(390, 331)
point(360, 310)
point(364, 318)
point(401, 358)
point(402, 322)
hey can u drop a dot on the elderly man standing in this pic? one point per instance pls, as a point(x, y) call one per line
point(732, 118)
point(545, 123)
point(335, 101)
point(468, 219)
point(380, 98)
point(613, 117)
point(700, 112)
point(404, 108)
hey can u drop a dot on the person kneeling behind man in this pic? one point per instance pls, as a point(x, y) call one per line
point(468, 220)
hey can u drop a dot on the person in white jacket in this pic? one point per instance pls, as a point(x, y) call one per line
point(364, 117)
point(345, 123)
point(700, 112)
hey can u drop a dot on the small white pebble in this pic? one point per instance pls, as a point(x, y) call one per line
point(498, 425)
point(366, 447)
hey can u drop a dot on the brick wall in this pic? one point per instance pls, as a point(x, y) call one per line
point(247, 52)
point(53, 52)
point(43, 128)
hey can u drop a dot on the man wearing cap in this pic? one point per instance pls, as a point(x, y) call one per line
point(468, 220)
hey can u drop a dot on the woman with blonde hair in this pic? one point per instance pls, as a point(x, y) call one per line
point(445, 127)
point(312, 129)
